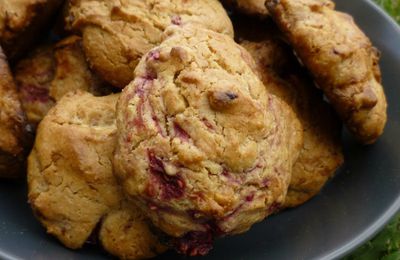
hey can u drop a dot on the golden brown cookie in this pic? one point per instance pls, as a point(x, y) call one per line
point(73, 72)
point(33, 76)
point(21, 21)
point(202, 148)
point(283, 76)
point(250, 7)
point(71, 181)
point(341, 59)
point(117, 33)
point(125, 234)
point(50, 72)
point(12, 124)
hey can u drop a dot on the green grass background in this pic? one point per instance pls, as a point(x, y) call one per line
point(386, 245)
point(392, 7)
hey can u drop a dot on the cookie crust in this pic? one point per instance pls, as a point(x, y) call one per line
point(196, 134)
point(342, 60)
point(21, 21)
point(284, 77)
point(250, 7)
point(117, 33)
point(72, 189)
point(13, 133)
point(50, 72)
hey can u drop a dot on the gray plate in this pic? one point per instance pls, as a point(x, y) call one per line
point(352, 208)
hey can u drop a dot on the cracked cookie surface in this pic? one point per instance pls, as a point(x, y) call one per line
point(71, 184)
point(125, 233)
point(117, 33)
point(202, 148)
point(341, 59)
point(283, 76)
point(50, 72)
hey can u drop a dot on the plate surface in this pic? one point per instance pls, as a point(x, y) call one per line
point(353, 207)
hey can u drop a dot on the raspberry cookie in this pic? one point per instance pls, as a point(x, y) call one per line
point(50, 72)
point(21, 21)
point(12, 124)
point(283, 76)
point(71, 182)
point(202, 148)
point(341, 59)
point(117, 33)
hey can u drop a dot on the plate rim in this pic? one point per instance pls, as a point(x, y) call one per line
point(388, 215)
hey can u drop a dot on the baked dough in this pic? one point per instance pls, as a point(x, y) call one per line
point(283, 76)
point(13, 132)
point(250, 7)
point(117, 33)
point(341, 59)
point(50, 72)
point(71, 182)
point(21, 21)
point(202, 148)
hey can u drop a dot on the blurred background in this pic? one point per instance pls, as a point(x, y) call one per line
point(392, 7)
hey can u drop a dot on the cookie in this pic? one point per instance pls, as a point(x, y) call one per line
point(73, 72)
point(202, 148)
point(33, 76)
point(50, 72)
point(250, 7)
point(321, 154)
point(117, 33)
point(71, 182)
point(13, 135)
point(125, 234)
point(341, 59)
point(21, 21)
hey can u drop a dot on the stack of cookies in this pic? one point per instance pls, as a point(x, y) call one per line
point(168, 124)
